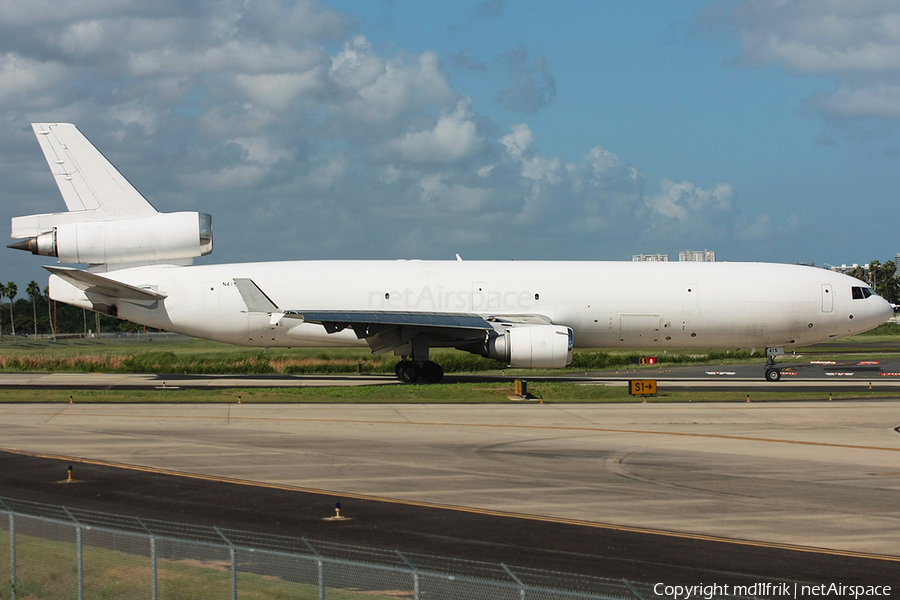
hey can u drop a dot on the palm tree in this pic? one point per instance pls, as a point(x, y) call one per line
point(889, 287)
point(859, 273)
point(34, 290)
point(874, 273)
point(11, 290)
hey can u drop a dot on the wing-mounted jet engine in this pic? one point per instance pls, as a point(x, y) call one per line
point(532, 346)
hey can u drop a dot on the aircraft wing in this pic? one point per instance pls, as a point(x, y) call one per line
point(91, 283)
point(382, 330)
point(86, 179)
point(387, 330)
point(334, 320)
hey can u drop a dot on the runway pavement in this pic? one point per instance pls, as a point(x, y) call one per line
point(793, 490)
point(816, 477)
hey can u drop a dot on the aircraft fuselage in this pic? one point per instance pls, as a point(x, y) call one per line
point(606, 304)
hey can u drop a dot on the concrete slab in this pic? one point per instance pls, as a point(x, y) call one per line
point(818, 474)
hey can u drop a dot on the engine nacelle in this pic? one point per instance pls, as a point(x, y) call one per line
point(533, 346)
point(161, 237)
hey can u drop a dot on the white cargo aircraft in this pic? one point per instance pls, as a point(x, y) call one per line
point(525, 313)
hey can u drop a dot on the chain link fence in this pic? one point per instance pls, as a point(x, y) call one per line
point(53, 552)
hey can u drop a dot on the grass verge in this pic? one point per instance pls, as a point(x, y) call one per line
point(47, 569)
point(457, 393)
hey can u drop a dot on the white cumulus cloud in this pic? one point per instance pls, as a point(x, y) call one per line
point(453, 138)
point(854, 42)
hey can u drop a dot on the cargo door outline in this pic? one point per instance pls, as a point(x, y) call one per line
point(827, 298)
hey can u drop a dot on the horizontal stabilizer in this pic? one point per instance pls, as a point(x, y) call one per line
point(91, 283)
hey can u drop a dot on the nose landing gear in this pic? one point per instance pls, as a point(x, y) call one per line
point(773, 373)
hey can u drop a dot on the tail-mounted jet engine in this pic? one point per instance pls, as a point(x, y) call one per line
point(156, 238)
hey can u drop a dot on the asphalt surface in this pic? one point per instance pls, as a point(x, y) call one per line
point(778, 493)
point(524, 542)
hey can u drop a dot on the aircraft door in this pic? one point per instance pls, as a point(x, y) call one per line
point(211, 295)
point(260, 329)
point(639, 329)
point(690, 298)
point(479, 297)
point(827, 298)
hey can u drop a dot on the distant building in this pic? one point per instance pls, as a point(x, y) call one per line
point(697, 256)
point(897, 259)
point(847, 268)
point(650, 258)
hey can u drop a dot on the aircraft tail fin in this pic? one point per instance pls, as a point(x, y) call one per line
point(86, 179)
point(109, 223)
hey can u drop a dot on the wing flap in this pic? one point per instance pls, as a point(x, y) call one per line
point(387, 318)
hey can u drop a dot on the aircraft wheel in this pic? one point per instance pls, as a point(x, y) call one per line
point(407, 371)
point(773, 375)
point(432, 372)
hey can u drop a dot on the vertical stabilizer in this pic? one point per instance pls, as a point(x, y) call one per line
point(86, 179)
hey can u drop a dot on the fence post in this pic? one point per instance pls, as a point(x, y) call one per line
point(232, 551)
point(415, 573)
point(79, 543)
point(155, 580)
point(321, 565)
point(12, 555)
point(12, 549)
point(79, 540)
point(517, 580)
point(153, 576)
point(631, 587)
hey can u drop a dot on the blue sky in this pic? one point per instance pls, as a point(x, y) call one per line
point(764, 130)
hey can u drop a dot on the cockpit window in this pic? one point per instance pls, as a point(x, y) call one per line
point(861, 293)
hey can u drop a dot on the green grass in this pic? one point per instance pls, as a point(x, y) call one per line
point(47, 569)
point(457, 393)
point(201, 357)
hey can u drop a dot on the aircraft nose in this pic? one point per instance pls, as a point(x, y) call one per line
point(885, 310)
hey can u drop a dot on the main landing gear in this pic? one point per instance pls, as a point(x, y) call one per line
point(773, 373)
point(409, 371)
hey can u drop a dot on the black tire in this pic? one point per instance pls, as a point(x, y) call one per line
point(432, 372)
point(773, 375)
point(407, 371)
